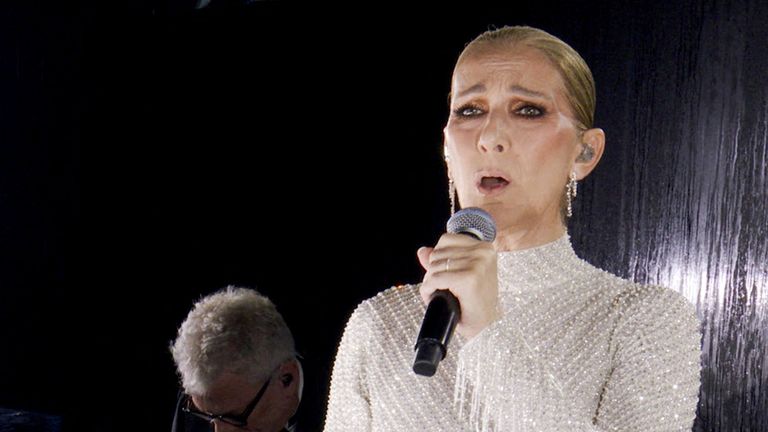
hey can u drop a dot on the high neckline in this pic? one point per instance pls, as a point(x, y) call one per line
point(538, 267)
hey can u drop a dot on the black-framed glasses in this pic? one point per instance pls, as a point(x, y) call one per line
point(240, 420)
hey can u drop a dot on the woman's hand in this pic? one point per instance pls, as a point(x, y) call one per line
point(466, 267)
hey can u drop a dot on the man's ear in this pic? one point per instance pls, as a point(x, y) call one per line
point(286, 379)
point(289, 371)
point(592, 147)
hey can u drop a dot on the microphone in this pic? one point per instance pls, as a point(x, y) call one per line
point(443, 311)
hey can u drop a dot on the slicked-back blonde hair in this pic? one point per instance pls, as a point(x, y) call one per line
point(577, 78)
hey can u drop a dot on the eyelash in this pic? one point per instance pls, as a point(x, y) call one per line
point(460, 112)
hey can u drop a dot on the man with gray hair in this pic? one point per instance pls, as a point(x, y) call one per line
point(237, 363)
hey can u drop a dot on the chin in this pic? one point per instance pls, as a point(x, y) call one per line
point(493, 207)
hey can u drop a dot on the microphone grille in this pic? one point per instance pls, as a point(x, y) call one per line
point(474, 221)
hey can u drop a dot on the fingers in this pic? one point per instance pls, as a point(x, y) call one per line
point(454, 254)
point(467, 267)
point(459, 255)
point(423, 253)
point(450, 240)
point(447, 273)
point(453, 246)
point(426, 290)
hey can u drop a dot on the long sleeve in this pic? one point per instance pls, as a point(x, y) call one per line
point(373, 386)
point(636, 369)
point(348, 401)
point(576, 349)
point(654, 385)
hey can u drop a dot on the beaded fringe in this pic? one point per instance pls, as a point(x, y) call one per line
point(487, 390)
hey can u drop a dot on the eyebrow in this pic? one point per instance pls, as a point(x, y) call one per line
point(479, 88)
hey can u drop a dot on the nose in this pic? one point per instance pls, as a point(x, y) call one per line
point(494, 136)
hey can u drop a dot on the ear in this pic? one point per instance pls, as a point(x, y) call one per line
point(289, 373)
point(290, 387)
point(286, 379)
point(593, 141)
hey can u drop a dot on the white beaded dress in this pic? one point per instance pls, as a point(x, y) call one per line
point(577, 349)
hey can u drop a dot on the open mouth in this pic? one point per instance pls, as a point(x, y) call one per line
point(489, 184)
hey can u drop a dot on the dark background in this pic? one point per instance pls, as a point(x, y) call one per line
point(297, 149)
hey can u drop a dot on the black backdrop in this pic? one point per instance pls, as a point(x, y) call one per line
point(296, 149)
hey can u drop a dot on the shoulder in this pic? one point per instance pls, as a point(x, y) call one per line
point(391, 311)
point(646, 310)
point(636, 301)
point(642, 308)
point(661, 301)
point(392, 301)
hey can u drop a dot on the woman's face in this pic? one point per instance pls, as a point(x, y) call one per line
point(510, 138)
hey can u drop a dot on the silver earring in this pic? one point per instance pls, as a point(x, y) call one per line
point(451, 186)
point(452, 195)
point(570, 192)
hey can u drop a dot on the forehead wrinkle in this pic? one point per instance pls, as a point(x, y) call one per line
point(518, 67)
point(477, 88)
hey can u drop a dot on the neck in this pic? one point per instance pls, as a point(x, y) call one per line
point(517, 238)
point(539, 267)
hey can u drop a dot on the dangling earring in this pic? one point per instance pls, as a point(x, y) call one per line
point(451, 186)
point(570, 192)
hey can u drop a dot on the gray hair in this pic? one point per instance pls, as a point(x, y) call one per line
point(234, 330)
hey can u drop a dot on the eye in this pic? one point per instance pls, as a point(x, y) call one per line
point(531, 111)
point(467, 111)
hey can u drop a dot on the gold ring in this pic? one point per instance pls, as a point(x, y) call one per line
point(448, 265)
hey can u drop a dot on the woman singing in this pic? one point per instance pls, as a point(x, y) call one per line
point(546, 341)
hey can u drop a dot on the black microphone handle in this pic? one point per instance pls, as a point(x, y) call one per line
point(444, 310)
point(440, 319)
